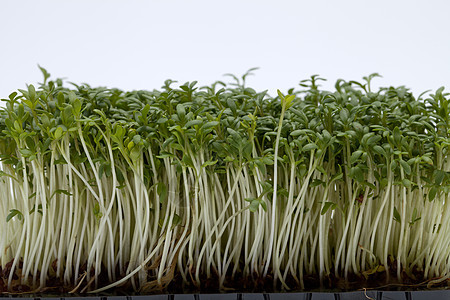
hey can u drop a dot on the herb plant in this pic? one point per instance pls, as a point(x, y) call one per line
point(102, 188)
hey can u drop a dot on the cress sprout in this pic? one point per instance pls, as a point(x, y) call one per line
point(102, 187)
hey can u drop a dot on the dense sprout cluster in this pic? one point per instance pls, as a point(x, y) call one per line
point(222, 182)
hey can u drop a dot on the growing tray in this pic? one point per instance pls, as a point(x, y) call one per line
point(363, 295)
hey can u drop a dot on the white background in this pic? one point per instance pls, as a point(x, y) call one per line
point(139, 44)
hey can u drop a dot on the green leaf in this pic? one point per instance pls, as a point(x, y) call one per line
point(44, 73)
point(97, 211)
point(426, 179)
point(255, 203)
point(355, 156)
point(357, 174)
point(337, 177)
point(405, 166)
point(164, 154)
point(76, 107)
point(316, 182)
point(145, 111)
point(168, 142)
point(254, 206)
point(394, 165)
point(288, 100)
point(26, 152)
point(263, 204)
point(282, 192)
point(62, 192)
point(406, 182)
point(9, 124)
point(181, 111)
point(39, 210)
point(432, 194)
point(209, 125)
point(32, 92)
point(176, 220)
point(326, 136)
point(61, 99)
point(396, 215)
point(344, 115)
point(135, 154)
point(161, 189)
point(373, 140)
point(267, 160)
point(439, 176)
point(193, 123)
point(17, 126)
point(58, 133)
point(232, 105)
point(380, 150)
point(13, 213)
point(321, 170)
point(297, 132)
point(209, 163)
point(187, 160)
point(427, 160)
point(120, 177)
point(327, 206)
point(357, 126)
point(309, 147)
point(397, 136)
point(280, 94)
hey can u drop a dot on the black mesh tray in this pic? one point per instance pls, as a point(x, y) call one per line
point(359, 295)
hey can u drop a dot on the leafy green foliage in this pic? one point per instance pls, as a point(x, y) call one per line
point(14, 213)
point(225, 156)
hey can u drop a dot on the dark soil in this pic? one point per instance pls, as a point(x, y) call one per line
point(377, 280)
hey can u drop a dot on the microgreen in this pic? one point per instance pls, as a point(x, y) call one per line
point(223, 182)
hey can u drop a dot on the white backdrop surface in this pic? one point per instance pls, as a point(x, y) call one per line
point(138, 44)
